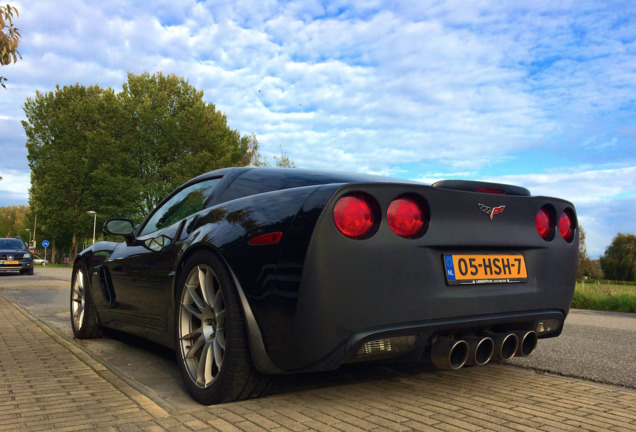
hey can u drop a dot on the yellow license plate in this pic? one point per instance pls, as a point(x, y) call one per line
point(478, 268)
point(10, 262)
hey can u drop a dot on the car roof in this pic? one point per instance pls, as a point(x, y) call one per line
point(244, 181)
point(318, 176)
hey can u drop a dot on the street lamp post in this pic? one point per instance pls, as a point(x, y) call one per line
point(94, 214)
point(35, 227)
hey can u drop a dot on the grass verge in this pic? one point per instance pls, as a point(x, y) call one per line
point(605, 297)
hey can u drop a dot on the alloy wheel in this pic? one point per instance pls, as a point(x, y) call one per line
point(78, 300)
point(201, 326)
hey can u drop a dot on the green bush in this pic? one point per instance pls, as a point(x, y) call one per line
point(605, 297)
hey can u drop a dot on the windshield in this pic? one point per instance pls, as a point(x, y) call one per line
point(12, 244)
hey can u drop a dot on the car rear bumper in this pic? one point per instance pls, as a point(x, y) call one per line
point(414, 341)
point(419, 342)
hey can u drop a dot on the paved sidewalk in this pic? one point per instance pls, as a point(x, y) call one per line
point(52, 384)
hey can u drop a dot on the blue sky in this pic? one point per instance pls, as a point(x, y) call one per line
point(541, 94)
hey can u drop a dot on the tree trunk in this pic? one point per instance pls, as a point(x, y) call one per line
point(53, 254)
point(74, 246)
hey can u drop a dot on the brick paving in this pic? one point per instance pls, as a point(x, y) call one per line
point(51, 383)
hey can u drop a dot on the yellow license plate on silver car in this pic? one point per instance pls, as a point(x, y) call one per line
point(484, 268)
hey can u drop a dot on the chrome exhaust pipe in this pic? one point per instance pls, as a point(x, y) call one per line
point(527, 343)
point(449, 353)
point(480, 350)
point(505, 346)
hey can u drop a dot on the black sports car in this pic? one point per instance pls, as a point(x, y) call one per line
point(15, 256)
point(249, 272)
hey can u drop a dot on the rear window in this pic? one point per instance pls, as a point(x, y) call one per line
point(261, 180)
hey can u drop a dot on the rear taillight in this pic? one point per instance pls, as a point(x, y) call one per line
point(353, 215)
point(544, 224)
point(406, 217)
point(566, 225)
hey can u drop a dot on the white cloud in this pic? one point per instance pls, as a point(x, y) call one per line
point(428, 89)
point(581, 185)
point(14, 187)
point(605, 199)
point(410, 76)
point(602, 221)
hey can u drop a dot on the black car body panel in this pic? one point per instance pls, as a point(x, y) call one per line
point(353, 289)
point(315, 297)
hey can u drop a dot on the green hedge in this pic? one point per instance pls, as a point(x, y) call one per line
point(605, 296)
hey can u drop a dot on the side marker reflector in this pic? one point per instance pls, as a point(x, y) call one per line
point(267, 239)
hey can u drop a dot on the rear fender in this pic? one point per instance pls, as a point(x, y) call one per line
point(226, 229)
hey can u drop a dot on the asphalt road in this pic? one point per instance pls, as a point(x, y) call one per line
point(598, 346)
point(595, 346)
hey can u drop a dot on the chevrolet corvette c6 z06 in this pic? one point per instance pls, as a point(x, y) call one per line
point(251, 272)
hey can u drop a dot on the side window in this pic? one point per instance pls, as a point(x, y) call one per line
point(186, 202)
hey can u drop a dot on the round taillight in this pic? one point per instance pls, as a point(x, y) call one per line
point(566, 225)
point(405, 217)
point(543, 223)
point(353, 216)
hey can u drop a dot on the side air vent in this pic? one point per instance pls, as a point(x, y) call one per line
point(106, 286)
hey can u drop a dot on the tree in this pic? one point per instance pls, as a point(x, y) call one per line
point(586, 267)
point(171, 135)
point(282, 161)
point(62, 129)
point(120, 154)
point(12, 221)
point(619, 260)
point(9, 38)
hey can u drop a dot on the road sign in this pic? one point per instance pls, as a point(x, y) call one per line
point(45, 243)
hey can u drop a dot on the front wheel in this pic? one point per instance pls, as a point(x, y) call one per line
point(212, 350)
point(83, 314)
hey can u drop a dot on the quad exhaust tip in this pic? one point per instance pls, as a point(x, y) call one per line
point(505, 346)
point(449, 353)
point(527, 343)
point(480, 350)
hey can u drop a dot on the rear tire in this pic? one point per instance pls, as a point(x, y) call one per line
point(211, 337)
point(83, 313)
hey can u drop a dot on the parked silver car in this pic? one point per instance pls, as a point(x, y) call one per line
point(40, 261)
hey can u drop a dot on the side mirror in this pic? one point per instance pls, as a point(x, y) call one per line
point(121, 227)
